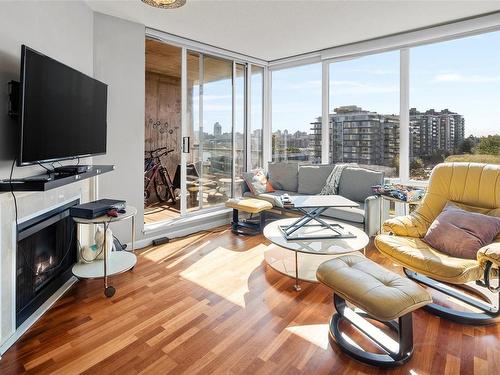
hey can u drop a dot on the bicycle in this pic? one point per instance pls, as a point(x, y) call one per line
point(156, 174)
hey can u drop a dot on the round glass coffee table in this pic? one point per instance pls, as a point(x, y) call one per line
point(300, 258)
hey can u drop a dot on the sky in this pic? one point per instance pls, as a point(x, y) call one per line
point(462, 75)
point(217, 102)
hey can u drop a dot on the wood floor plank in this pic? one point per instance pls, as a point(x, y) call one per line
point(209, 304)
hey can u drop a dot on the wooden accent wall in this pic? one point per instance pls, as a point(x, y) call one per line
point(163, 117)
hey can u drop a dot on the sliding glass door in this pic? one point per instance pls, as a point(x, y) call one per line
point(215, 130)
point(204, 119)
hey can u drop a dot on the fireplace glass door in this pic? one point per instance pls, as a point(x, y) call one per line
point(46, 251)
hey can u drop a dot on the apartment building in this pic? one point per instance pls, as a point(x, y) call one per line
point(435, 131)
point(360, 136)
point(367, 137)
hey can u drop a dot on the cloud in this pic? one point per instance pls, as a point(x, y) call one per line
point(216, 97)
point(213, 108)
point(457, 77)
point(359, 88)
point(378, 72)
point(305, 85)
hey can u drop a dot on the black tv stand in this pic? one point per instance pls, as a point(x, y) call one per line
point(39, 177)
point(54, 180)
point(72, 169)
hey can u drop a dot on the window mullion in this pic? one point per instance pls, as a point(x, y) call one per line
point(325, 116)
point(404, 115)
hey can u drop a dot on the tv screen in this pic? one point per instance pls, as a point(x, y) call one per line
point(63, 111)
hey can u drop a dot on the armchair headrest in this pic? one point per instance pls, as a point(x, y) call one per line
point(472, 184)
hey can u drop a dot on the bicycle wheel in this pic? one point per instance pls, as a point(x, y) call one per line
point(168, 184)
point(160, 188)
point(167, 191)
point(148, 186)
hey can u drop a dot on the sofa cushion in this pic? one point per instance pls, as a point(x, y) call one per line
point(356, 183)
point(312, 178)
point(284, 176)
point(353, 214)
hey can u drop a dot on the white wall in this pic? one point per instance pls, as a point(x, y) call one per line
point(62, 30)
point(119, 59)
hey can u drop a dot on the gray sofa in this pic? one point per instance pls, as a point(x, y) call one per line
point(355, 184)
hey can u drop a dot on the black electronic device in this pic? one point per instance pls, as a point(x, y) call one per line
point(72, 169)
point(62, 112)
point(91, 210)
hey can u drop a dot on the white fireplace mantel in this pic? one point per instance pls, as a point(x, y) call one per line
point(30, 205)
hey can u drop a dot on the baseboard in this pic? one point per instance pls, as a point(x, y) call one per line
point(180, 231)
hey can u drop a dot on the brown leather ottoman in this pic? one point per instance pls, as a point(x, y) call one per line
point(383, 296)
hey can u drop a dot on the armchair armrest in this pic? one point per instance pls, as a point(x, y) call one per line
point(372, 215)
point(489, 253)
point(409, 226)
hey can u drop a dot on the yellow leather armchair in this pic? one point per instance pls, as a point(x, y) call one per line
point(474, 187)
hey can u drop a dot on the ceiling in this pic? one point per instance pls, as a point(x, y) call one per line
point(164, 59)
point(273, 29)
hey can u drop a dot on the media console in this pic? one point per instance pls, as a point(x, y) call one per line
point(33, 184)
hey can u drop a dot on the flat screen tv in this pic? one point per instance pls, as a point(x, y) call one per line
point(63, 111)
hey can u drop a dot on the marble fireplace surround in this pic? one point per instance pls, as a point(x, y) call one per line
point(30, 205)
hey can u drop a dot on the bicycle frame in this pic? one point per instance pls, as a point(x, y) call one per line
point(153, 168)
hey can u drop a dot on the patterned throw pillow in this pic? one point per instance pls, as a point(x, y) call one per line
point(257, 182)
point(461, 233)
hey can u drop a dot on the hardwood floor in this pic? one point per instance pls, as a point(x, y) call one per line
point(208, 304)
point(161, 211)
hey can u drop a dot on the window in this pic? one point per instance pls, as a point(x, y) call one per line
point(364, 112)
point(296, 106)
point(255, 130)
point(454, 103)
point(454, 113)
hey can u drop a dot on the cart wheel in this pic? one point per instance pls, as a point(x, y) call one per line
point(109, 291)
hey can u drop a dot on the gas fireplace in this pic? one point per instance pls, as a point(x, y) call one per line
point(46, 251)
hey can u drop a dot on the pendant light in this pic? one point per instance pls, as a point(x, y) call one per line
point(165, 4)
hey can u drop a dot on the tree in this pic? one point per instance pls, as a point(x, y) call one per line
point(466, 146)
point(489, 145)
point(417, 168)
point(395, 164)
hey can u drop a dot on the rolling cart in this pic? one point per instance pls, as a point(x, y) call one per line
point(114, 263)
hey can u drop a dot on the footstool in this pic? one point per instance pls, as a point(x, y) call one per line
point(381, 295)
point(251, 206)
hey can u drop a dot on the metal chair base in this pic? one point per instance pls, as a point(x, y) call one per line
point(489, 314)
point(393, 357)
point(247, 228)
